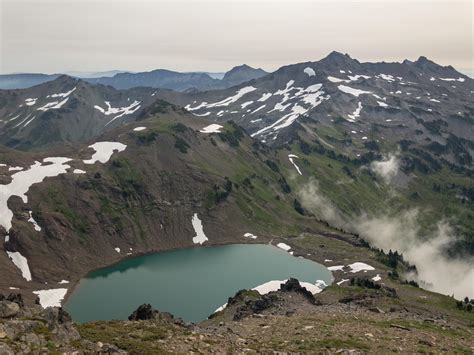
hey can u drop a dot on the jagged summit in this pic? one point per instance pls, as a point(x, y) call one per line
point(339, 59)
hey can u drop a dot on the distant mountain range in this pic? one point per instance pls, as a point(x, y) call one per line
point(160, 78)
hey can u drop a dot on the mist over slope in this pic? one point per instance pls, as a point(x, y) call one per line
point(400, 231)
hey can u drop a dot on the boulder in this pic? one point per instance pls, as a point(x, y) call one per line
point(8, 309)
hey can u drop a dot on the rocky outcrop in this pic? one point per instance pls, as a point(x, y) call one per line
point(25, 330)
point(293, 285)
point(147, 312)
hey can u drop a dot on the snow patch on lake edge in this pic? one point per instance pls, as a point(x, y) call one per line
point(275, 285)
point(284, 246)
point(52, 297)
point(200, 237)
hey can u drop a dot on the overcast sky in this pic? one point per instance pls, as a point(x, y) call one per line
point(138, 35)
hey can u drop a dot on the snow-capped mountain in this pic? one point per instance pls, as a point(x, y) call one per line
point(66, 110)
point(407, 100)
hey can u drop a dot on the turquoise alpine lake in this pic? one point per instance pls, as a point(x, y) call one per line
point(189, 283)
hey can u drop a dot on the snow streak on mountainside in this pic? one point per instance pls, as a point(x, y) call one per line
point(66, 110)
point(403, 98)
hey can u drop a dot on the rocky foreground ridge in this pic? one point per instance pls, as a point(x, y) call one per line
point(361, 317)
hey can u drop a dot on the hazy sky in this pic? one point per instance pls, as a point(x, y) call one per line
point(137, 35)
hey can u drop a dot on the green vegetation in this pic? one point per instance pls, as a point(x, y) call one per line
point(147, 137)
point(142, 339)
point(79, 222)
point(181, 145)
point(232, 134)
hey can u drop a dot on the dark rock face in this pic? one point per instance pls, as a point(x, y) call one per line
point(13, 297)
point(56, 315)
point(143, 312)
point(293, 285)
point(250, 302)
point(255, 306)
point(146, 312)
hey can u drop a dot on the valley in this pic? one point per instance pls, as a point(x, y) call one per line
point(331, 161)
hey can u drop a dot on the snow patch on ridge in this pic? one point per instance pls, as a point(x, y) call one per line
point(290, 158)
point(21, 263)
point(225, 102)
point(352, 91)
point(22, 181)
point(30, 101)
point(54, 105)
point(103, 151)
point(213, 128)
point(356, 113)
point(309, 71)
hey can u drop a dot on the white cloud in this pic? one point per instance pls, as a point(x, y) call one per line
point(386, 168)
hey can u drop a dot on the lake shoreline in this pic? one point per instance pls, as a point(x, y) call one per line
point(242, 257)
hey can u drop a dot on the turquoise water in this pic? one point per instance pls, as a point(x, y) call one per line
point(189, 283)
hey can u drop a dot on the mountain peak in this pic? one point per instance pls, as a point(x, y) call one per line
point(65, 79)
point(243, 73)
point(338, 58)
point(422, 61)
point(245, 67)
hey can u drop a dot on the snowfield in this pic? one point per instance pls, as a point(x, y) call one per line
point(52, 297)
point(200, 237)
point(103, 151)
point(20, 262)
point(22, 181)
point(352, 91)
point(354, 267)
point(309, 71)
point(356, 113)
point(213, 128)
point(226, 102)
point(284, 246)
point(250, 235)
point(358, 266)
